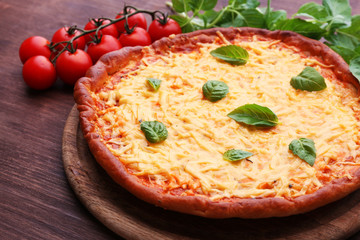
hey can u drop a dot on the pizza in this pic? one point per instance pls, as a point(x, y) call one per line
point(226, 122)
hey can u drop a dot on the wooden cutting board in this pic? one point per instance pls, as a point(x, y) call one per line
point(132, 218)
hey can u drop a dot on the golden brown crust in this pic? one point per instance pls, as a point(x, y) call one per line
point(197, 205)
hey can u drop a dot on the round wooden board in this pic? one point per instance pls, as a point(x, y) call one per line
point(132, 218)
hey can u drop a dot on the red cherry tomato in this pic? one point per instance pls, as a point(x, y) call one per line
point(34, 46)
point(72, 66)
point(93, 24)
point(107, 44)
point(139, 37)
point(66, 34)
point(39, 73)
point(137, 20)
point(159, 30)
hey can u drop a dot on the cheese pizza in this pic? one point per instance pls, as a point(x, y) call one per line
point(226, 122)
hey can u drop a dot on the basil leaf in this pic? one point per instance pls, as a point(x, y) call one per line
point(232, 19)
point(154, 131)
point(302, 27)
point(253, 114)
point(304, 148)
point(244, 4)
point(253, 18)
point(236, 155)
point(309, 79)
point(340, 12)
point(181, 6)
point(346, 53)
point(185, 23)
point(202, 4)
point(214, 90)
point(342, 40)
point(274, 17)
point(209, 16)
point(354, 29)
point(154, 83)
point(313, 10)
point(355, 67)
point(357, 49)
point(232, 54)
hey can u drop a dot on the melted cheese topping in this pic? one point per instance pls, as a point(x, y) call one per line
point(191, 158)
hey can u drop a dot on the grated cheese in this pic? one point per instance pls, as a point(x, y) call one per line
point(200, 131)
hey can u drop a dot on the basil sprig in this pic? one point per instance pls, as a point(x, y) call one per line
point(236, 155)
point(253, 114)
point(215, 90)
point(154, 83)
point(304, 148)
point(154, 131)
point(232, 54)
point(309, 79)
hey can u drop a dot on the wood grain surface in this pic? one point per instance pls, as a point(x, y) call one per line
point(36, 200)
point(132, 218)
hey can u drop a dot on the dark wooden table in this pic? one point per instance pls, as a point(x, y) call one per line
point(36, 199)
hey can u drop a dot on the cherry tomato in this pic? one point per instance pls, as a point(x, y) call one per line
point(66, 34)
point(107, 44)
point(34, 46)
point(158, 29)
point(109, 30)
point(138, 37)
point(72, 66)
point(137, 20)
point(39, 73)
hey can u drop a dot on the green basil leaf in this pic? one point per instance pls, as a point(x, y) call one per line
point(340, 12)
point(185, 23)
point(154, 83)
point(354, 30)
point(346, 53)
point(253, 18)
point(357, 49)
point(313, 10)
point(214, 90)
point(232, 54)
point(302, 27)
point(309, 79)
point(202, 4)
point(232, 19)
point(236, 155)
point(274, 17)
point(208, 16)
point(253, 114)
point(304, 148)
point(181, 6)
point(154, 131)
point(342, 40)
point(244, 4)
point(355, 67)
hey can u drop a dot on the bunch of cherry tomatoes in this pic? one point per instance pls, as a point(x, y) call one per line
point(73, 50)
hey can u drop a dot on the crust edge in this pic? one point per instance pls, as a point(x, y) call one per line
point(196, 205)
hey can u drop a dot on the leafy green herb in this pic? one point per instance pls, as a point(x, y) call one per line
point(330, 20)
point(253, 114)
point(302, 27)
point(154, 83)
point(346, 41)
point(154, 131)
point(355, 67)
point(215, 90)
point(232, 54)
point(304, 148)
point(309, 79)
point(236, 155)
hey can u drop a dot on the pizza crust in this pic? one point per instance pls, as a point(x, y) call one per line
point(198, 205)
